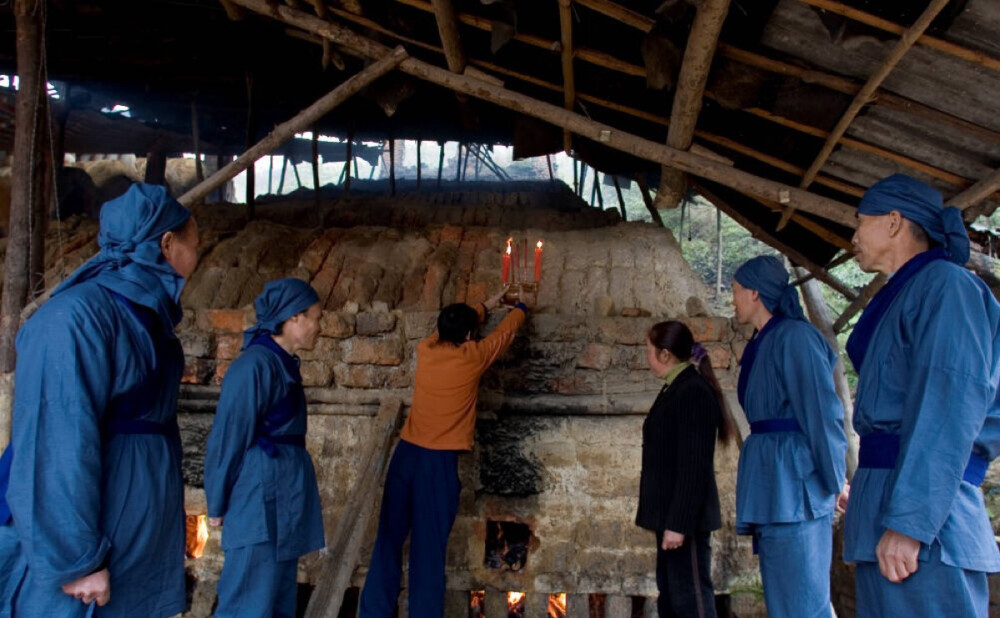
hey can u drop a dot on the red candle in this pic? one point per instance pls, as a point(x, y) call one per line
point(538, 261)
point(517, 259)
point(506, 262)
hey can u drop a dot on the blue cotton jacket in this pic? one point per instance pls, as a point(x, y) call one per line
point(930, 375)
point(79, 502)
point(242, 482)
point(791, 476)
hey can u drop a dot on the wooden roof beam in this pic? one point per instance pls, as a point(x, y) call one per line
point(569, 83)
point(609, 136)
point(698, 54)
point(971, 199)
point(867, 94)
point(941, 45)
point(451, 41)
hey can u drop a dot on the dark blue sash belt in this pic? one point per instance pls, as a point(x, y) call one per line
point(880, 450)
point(269, 444)
point(134, 426)
point(774, 425)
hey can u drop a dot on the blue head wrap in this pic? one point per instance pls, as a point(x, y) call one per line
point(130, 261)
point(279, 301)
point(768, 276)
point(920, 203)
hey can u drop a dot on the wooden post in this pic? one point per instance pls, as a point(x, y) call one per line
point(458, 165)
point(392, 166)
point(583, 178)
point(46, 194)
point(451, 41)
point(866, 95)
point(270, 174)
point(287, 130)
point(281, 181)
point(156, 168)
point(548, 159)
point(970, 199)
point(692, 163)
point(199, 172)
point(576, 182)
point(251, 136)
point(569, 87)
point(419, 165)
point(621, 199)
point(348, 535)
point(317, 196)
point(440, 162)
point(27, 167)
point(718, 253)
point(698, 55)
point(647, 199)
point(597, 189)
point(859, 303)
point(348, 162)
point(819, 315)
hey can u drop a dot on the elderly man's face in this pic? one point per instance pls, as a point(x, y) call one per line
point(872, 241)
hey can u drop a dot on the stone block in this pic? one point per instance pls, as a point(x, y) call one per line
point(220, 371)
point(451, 234)
point(599, 533)
point(316, 373)
point(198, 371)
point(196, 344)
point(327, 350)
point(640, 561)
point(371, 323)
point(371, 376)
point(375, 351)
point(595, 356)
point(707, 329)
point(625, 331)
point(720, 354)
point(228, 345)
point(223, 320)
point(337, 325)
point(419, 324)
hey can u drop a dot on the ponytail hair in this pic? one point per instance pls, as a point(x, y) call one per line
point(676, 338)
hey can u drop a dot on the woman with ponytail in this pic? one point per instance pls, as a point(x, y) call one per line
point(678, 499)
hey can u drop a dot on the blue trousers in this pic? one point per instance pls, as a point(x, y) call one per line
point(420, 500)
point(684, 578)
point(936, 589)
point(795, 567)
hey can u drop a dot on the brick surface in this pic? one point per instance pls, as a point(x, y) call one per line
point(227, 345)
point(224, 320)
point(337, 325)
point(371, 323)
point(375, 351)
point(595, 356)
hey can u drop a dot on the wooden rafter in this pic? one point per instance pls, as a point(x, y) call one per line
point(859, 303)
point(971, 199)
point(867, 94)
point(569, 82)
point(698, 54)
point(941, 45)
point(451, 41)
point(759, 232)
point(589, 129)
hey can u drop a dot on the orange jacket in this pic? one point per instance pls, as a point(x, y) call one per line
point(446, 386)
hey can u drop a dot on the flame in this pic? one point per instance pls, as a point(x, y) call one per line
point(509, 240)
point(515, 600)
point(197, 535)
point(539, 245)
point(557, 605)
point(477, 601)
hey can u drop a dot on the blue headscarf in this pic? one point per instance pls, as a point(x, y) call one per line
point(279, 301)
point(768, 276)
point(130, 261)
point(922, 204)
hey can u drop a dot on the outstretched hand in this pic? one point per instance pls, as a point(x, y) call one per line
point(494, 301)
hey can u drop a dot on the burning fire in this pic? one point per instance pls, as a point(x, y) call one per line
point(515, 604)
point(509, 240)
point(557, 605)
point(196, 527)
point(539, 245)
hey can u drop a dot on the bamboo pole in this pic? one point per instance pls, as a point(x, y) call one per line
point(287, 130)
point(687, 103)
point(947, 47)
point(349, 534)
point(451, 41)
point(764, 235)
point(599, 132)
point(569, 83)
point(866, 95)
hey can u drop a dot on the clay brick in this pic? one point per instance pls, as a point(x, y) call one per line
point(316, 373)
point(375, 351)
point(595, 356)
point(371, 323)
point(337, 325)
point(223, 320)
point(198, 371)
point(228, 345)
point(707, 329)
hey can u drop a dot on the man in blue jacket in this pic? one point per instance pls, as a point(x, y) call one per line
point(927, 353)
point(259, 480)
point(792, 466)
point(92, 522)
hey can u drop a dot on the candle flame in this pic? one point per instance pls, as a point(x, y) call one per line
point(539, 245)
point(513, 598)
point(509, 240)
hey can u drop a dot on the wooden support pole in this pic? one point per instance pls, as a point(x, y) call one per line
point(548, 160)
point(698, 56)
point(459, 163)
point(597, 190)
point(859, 303)
point(156, 168)
point(576, 179)
point(199, 172)
point(317, 195)
point(583, 178)
point(281, 181)
point(451, 41)
point(759, 232)
point(569, 83)
point(251, 137)
point(718, 253)
point(941, 45)
point(392, 166)
point(647, 199)
point(605, 134)
point(270, 174)
point(440, 162)
point(348, 535)
point(287, 130)
point(621, 199)
point(843, 258)
point(348, 162)
point(419, 165)
point(866, 95)
point(819, 315)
